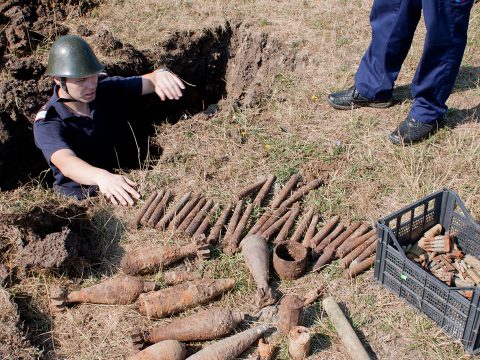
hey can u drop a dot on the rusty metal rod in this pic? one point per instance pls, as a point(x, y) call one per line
point(191, 215)
point(326, 229)
point(283, 233)
point(362, 229)
point(151, 208)
point(312, 228)
point(297, 195)
point(160, 209)
point(234, 240)
point(173, 211)
point(277, 214)
point(283, 194)
point(197, 220)
point(357, 251)
point(303, 225)
point(276, 225)
point(206, 221)
point(217, 228)
point(250, 189)
point(138, 216)
point(232, 225)
point(262, 194)
point(360, 267)
point(370, 250)
point(352, 245)
point(325, 242)
point(180, 216)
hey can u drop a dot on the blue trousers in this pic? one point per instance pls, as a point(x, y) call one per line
point(393, 26)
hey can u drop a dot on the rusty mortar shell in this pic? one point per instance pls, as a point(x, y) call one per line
point(312, 229)
point(196, 221)
point(232, 225)
point(289, 313)
point(231, 347)
point(176, 277)
point(303, 225)
point(360, 267)
point(202, 229)
point(178, 298)
point(317, 250)
point(297, 195)
point(355, 243)
point(283, 233)
point(165, 350)
point(251, 189)
point(262, 194)
point(266, 351)
point(191, 215)
point(163, 222)
point(152, 207)
point(234, 240)
point(150, 259)
point(283, 194)
point(347, 260)
point(160, 209)
point(117, 291)
point(299, 343)
point(277, 225)
point(257, 258)
point(290, 260)
point(205, 325)
point(182, 214)
point(326, 229)
point(138, 216)
point(214, 234)
point(362, 229)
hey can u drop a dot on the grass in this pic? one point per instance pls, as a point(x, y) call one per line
point(292, 130)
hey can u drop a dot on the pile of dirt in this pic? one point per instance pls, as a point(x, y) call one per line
point(13, 344)
point(50, 237)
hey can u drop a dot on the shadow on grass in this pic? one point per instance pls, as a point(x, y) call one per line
point(467, 78)
point(456, 117)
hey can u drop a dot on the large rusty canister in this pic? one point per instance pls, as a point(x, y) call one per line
point(290, 313)
point(290, 260)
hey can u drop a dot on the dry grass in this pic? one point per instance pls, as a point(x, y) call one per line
point(294, 130)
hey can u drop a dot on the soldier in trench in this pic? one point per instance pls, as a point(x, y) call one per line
point(75, 128)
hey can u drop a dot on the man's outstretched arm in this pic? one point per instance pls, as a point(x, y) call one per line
point(116, 188)
point(164, 83)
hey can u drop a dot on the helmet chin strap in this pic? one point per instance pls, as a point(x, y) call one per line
point(63, 84)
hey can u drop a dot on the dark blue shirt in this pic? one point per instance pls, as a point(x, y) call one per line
point(90, 138)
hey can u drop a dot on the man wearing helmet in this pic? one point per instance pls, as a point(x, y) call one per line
point(73, 129)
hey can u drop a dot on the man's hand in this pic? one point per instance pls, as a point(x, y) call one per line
point(117, 188)
point(164, 83)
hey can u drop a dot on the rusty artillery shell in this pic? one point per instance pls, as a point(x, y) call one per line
point(262, 194)
point(206, 221)
point(326, 229)
point(234, 240)
point(362, 229)
point(176, 277)
point(173, 211)
point(297, 195)
point(265, 351)
point(120, 291)
point(346, 261)
point(231, 347)
point(217, 228)
point(303, 225)
point(361, 266)
point(150, 259)
point(182, 225)
point(329, 253)
point(325, 242)
point(371, 249)
point(299, 343)
point(250, 189)
point(290, 260)
point(160, 209)
point(138, 216)
point(283, 194)
point(165, 350)
point(289, 313)
point(258, 225)
point(283, 233)
point(182, 214)
point(152, 207)
point(232, 225)
point(195, 223)
point(277, 225)
point(178, 298)
point(257, 257)
point(205, 325)
point(355, 243)
point(312, 228)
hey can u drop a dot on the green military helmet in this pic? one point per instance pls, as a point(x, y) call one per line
point(72, 57)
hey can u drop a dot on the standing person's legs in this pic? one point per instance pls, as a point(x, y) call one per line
point(393, 25)
point(447, 25)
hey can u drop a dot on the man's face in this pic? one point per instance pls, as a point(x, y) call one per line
point(80, 89)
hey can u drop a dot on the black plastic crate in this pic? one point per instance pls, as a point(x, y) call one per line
point(457, 315)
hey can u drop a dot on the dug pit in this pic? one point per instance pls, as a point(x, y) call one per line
point(231, 62)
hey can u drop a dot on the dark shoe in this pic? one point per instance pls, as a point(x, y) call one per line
point(351, 99)
point(410, 131)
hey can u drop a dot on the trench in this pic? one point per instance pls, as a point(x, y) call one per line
point(226, 62)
